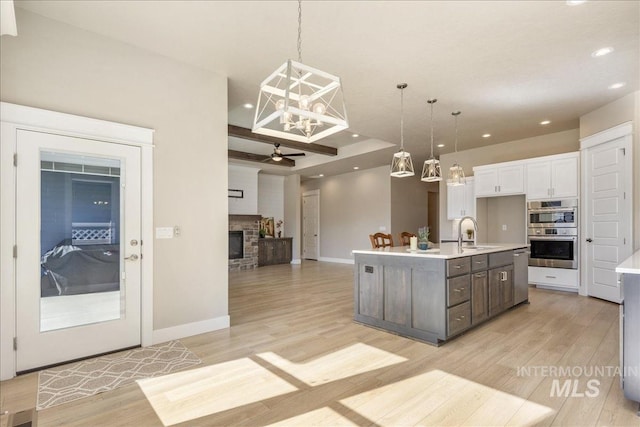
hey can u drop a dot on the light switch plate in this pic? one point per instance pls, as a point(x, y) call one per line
point(164, 232)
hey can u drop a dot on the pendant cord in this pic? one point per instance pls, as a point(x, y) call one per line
point(402, 119)
point(432, 130)
point(300, 31)
point(456, 144)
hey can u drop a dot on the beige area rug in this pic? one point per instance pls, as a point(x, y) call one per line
point(88, 377)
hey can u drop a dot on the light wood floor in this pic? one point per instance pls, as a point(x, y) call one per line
point(293, 356)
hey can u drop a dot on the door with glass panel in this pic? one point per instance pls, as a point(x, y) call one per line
point(78, 248)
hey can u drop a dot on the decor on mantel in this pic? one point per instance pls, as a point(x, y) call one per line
point(299, 102)
point(401, 164)
point(456, 173)
point(266, 227)
point(431, 170)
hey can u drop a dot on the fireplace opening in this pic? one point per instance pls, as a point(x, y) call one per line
point(236, 244)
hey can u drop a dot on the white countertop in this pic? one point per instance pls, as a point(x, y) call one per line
point(630, 265)
point(443, 250)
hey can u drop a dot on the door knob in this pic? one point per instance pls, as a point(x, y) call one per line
point(133, 242)
point(589, 240)
point(132, 257)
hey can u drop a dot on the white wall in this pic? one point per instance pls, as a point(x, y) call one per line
point(57, 67)
point(271, 196)
point(352, 206)
point(293, 214)
point(244, 178)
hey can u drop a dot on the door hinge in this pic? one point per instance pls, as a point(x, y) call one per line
point(624, 240)
point(15, 343)
point(624, 151)
point(15, 159)
point(15, 251)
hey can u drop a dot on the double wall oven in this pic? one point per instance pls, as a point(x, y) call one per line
point(553, 233)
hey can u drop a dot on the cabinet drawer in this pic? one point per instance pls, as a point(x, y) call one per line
point(479, 262)
point(498, 259)
point(458, 266)
point(458, 318)
point(458, 290)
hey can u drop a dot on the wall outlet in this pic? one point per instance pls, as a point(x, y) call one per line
point(504, 227)
point(383, 228)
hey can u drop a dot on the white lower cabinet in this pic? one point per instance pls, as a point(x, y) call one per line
point(566, 279)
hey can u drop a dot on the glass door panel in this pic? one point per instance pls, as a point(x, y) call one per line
point(79, 240)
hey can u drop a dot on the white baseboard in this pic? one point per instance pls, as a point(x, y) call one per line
point(337, 260)
point(296, 261)
point(190, 329)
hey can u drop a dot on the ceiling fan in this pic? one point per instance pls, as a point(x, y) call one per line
point(278, 155)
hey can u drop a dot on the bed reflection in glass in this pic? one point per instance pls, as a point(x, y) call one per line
point(80, 244)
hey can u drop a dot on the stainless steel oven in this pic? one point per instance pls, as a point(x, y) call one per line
point(553, 214)
point(553, 247)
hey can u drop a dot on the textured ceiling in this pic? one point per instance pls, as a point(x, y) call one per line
point(507, 65)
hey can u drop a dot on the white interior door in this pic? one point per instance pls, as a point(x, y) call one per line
point(608, 216)
point(311, 225)
point(78, 248)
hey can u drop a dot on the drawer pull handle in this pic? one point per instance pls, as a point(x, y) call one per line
point(459, 290)
point(550, 277)
point(479, 262)
point(458, 266)
point(459, 319)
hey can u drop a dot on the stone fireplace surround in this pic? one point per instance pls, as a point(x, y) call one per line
point(250, 224)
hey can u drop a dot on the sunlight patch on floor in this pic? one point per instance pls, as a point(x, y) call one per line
point(349, 361)
point(320, 417)
point(440, 398)
point(211, 389)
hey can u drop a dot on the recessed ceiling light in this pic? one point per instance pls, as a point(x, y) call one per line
point(248, 106)
point(617, 85)
point(545, 122)
point(575, 2)
point(321, 175)
point(356, 167)
point(355, 135)
point(440, 145)
point(486, 135)
point(602, 52)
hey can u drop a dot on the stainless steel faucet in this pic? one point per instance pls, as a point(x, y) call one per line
point(475, 234)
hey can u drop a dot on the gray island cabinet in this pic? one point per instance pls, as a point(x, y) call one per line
point(436, 294)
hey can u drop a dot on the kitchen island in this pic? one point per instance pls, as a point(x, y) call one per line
point(629, 330)
point(436, 294)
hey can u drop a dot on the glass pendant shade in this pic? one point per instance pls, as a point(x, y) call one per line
point(456, 175)
point(431, 170)
point(401, 165)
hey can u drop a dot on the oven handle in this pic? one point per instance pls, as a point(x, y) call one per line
point(558, 238)
point(534, 211)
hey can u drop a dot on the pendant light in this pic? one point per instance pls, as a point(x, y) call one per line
point(401, 164)
point(456, 173)
point(431, 170)
point(299, 102)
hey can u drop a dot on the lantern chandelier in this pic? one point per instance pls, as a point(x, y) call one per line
point(401, 164)
point(456, 173)
point(299, 102)
point(431, 170)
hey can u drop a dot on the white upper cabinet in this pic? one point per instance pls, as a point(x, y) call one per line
point(499, 179)
point(461, 200)
point(553, 177)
